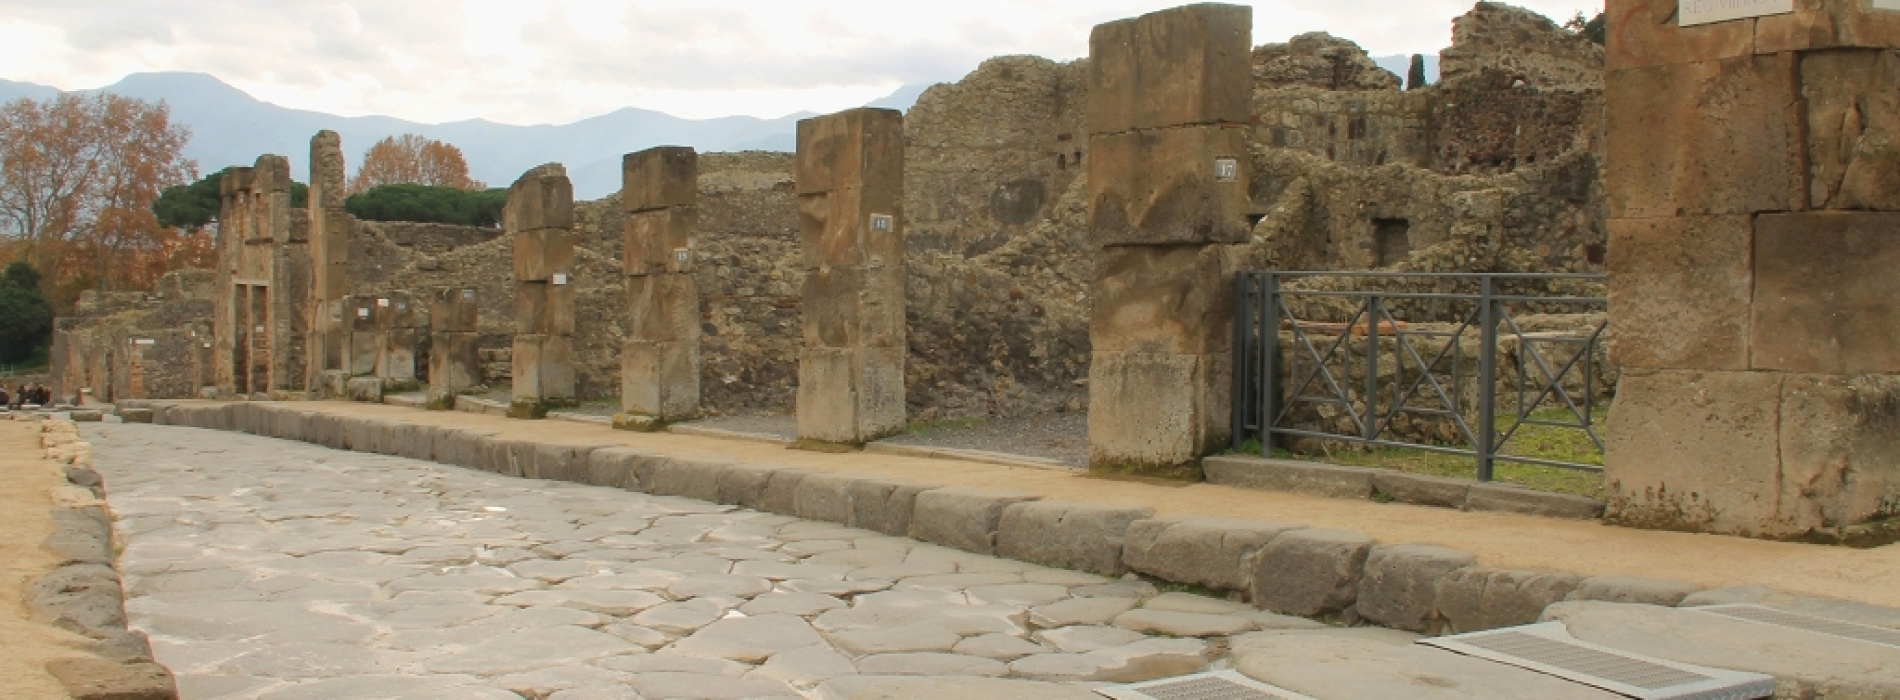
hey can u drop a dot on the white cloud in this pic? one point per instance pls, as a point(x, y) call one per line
point(557, 61)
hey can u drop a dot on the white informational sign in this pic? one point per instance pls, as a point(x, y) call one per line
point(883, 223)
point(145, 341)
point(1694, 12)
point(1226, 169)
point(560, 280)
point(362, 313)
point(468, 294)
point(682, 255)
point(382, 303)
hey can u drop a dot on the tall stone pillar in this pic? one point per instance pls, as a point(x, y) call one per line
point(1169, 109)
point(659, 370)
point(455, 364)
point(329, 249)
point(540, 220)
point(284, 236)
point(850, 184)
point(400, 325)
point(230, 299)
point(1754, 191)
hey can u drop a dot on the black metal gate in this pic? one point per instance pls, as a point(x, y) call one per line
point(1316, 368)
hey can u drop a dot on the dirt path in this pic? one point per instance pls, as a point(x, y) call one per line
point(1499, 540)
point(26, 481)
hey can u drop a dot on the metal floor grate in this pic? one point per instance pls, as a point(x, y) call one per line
point(1218, 685)
point(1548, 648)
point(1808, 623)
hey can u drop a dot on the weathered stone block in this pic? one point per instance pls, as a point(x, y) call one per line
point(1839, 457)
point(781, 492)
point(613, 467)
point(456, 447)
point(657, 178)
point(744, 485)
point(854, 307)
point(1309, 573)
point(854, 148)
point(364, 314)
point(1175, 300)
point(1506, 498)
point(1218, 553)
point(850, 395)
point(543, 368)
point(561, 462)
point(882, 505)
point(396, 363)
point(1480, 598)
point(1681, 293)
point(1420, 489)
point(516, 458)
point(1826, 298)
point(695, 478)
point(398, 309)
point(453, 310)
point(543, 254)
point(1709, 138)
point(455, 362)
point(824, 497)
point(1825, 24)
point(1400, 588)
point(1186, 65)
point(660, 380)
point(1157, 413)
point(1646, 35)
point(1292, 476)
point(663, 308)
point(660, 242)
point(961, 517)
point(492, 454)
point(1067, 535)
point(1169, 186)
point(1633, 590)
point(852, 227)
point(1853, 126)
point(1694, 451)
point(366, 389)
point(542, 199)
point(544, 308)
point(365, 349)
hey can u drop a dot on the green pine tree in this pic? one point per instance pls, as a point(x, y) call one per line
point(1415, 77)
point(26, 318)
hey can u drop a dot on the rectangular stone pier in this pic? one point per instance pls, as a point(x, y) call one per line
point(455, 363)
point(850, 183)
point(540, 220)
point(1754, 194)
point(659, 371)
point(1169, 110)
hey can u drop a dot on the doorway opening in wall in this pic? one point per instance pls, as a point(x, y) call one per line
point(1392, 241)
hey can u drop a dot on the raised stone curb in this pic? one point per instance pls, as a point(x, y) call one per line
point(1631, 589)
point(1335, 481)
point(1480, 598)
point(979, 456)
point(1310, 573)
point(1400, 589)
point(962, 518)
point(1214, 552)
point(1067, 535)
point(699, 431)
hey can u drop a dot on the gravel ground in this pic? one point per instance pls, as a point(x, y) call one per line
point(783, 425)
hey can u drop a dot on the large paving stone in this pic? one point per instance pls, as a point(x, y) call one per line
point(805, 667)
point(1067, 535)
point(960, 517)
point(1400, 589)
point(1330, 666)
point(1310, 573)
point(1079, 611)
point(530, 649)
point(1633, 589)
point(688, 686)
point(895, 640)
point(1805, 664)
point(930, 664)
point(1147, 659)
point(750, 640)
point(1182, 624)
point(1212, 552)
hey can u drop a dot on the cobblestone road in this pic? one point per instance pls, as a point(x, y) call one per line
point(269, 569)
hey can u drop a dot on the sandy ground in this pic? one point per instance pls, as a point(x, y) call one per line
point(1498, 540)
point(26, 481)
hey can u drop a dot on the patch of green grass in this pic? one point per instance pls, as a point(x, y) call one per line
point(1535, 441)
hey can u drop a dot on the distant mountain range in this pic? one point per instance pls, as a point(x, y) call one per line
point(229, 127)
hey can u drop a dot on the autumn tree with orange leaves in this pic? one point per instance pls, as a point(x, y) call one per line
point(412, 159)
point(78, 176)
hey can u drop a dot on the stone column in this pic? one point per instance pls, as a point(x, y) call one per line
point(455, 364)
point(329, 249)
point(540, 220)
point(228, 311)
point(659, 370)
point(1169, 108)
point(850, 184)
point(399, 327)
point(1754, 191)
point(283, 240)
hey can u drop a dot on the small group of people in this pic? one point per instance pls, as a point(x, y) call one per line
point(26, 394)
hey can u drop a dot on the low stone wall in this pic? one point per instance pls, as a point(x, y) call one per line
point(1287, 568)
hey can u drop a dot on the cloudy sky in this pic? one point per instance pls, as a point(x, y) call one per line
point(556, 61)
